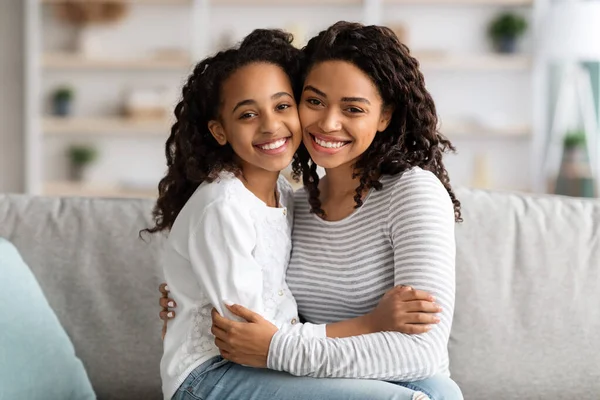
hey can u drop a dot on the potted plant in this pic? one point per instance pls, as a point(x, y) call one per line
point(575, 175)
point(504, 31)
point(80, 157)
point(62, 100)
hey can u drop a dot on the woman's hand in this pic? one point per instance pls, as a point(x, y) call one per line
point(166, 306)
point(406, 310)
point(244, 343)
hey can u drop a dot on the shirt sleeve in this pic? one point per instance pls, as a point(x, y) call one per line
point(421, 227)
point(221, 248)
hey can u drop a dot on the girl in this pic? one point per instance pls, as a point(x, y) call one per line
point(228, 215)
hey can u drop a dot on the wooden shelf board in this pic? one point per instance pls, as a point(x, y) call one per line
point(105, 126)
point(463, 2)
point(166, 2)
point(474, 132)
point(472, 62)
point(75, 61)
point(283, 3)
point(75, 189)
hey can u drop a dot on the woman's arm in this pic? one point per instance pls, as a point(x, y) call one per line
point(422, 232)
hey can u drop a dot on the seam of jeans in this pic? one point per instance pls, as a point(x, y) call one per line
point(418, 389)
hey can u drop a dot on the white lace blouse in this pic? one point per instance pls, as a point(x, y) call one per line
point(226, 245)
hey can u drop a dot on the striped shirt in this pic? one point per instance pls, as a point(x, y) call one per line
point(403, 234)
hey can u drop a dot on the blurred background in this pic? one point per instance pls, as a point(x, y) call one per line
point(88, 87)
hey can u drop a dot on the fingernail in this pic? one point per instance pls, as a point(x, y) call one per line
point(170, 314)
point(437, 320)
point(171, 304)
point(166, 288)
point(227, 303)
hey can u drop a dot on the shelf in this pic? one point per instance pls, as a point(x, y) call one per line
point(463, 2)
point(75, 61)
point(282, 3)
point(310, 2)
point(479, 132)
point(105, 126)
point(169, 2)
point(75, 189)
point(472, 62)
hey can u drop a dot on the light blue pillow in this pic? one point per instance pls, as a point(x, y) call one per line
point(37, 358)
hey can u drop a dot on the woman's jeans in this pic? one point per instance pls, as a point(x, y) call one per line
point(218, 379)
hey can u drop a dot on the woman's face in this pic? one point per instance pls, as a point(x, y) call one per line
point(258, 117)
point(341, 111)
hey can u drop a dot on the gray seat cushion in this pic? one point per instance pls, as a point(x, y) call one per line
point(527, 313)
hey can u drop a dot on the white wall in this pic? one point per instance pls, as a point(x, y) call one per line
point(11, 96)
point(492, 97)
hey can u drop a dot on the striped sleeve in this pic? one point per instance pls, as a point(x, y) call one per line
point(421, 228)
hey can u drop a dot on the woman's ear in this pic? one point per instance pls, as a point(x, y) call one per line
point(386, 118)
point(216, 129)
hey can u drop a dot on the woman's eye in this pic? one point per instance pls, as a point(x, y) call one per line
point(283, 106)
point(314, 102)
point(354, 110)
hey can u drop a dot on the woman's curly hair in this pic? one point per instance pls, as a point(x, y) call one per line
point(193, 155)
point(412, 138)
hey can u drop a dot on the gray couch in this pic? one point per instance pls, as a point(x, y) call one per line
point(528, 301)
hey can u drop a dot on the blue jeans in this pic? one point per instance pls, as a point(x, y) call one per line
point(218, 379)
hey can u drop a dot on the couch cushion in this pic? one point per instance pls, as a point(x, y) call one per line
point(527, 311)
point(101, 279)
point(37, 359)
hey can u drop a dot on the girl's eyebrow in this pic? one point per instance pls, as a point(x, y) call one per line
point(309, 88)
point(252, 101)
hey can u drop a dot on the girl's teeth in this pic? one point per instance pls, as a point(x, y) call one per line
point(329, 145)
point(273, 145)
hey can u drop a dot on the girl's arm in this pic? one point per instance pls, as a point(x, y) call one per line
point(220, 248)
point(422, 232)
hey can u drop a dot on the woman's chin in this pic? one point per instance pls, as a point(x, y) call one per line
point(329, 162)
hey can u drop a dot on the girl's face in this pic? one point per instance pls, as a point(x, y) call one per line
point(258, 117)
point(341, 111)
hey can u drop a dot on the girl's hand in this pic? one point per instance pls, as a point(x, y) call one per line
point(166, 304)
point(244, 343)
point(406, 310)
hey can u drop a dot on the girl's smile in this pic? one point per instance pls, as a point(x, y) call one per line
point(274, 146)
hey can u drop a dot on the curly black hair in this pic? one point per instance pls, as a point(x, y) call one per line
point(411, 139)
point(193, 155)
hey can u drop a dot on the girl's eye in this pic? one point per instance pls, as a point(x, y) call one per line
point(247, 115)
point(314, 102)
point(283, 106)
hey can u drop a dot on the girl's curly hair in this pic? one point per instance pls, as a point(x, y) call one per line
point(411, 139)
point(193, 155)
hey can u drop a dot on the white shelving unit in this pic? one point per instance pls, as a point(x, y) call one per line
point(205, 18)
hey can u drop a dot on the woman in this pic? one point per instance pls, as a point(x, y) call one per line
point(383, 216)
